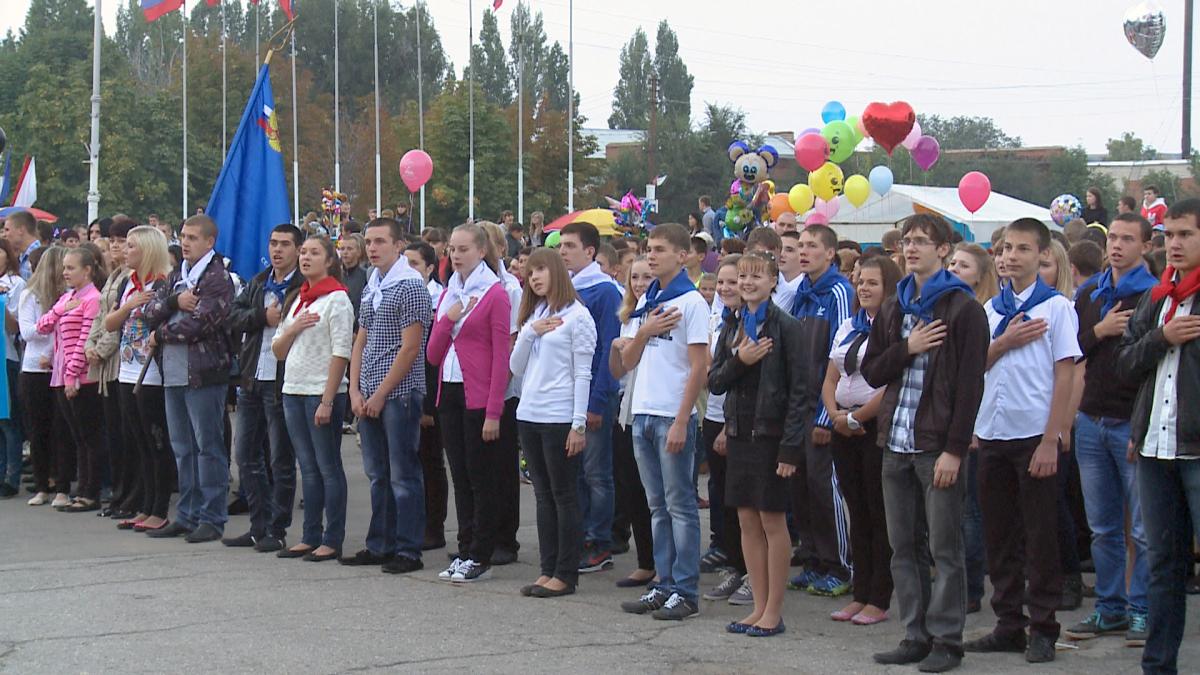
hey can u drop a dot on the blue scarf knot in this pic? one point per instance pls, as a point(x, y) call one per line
point(1134, 282)
point(935, 287)
point(809, 294)
point(1005, 303)
point(753, 321)
point(860, 324)
point(278, 288)
point(656, 296)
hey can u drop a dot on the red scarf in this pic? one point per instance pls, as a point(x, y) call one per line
point(310, 293)
point(138, 284)
point(1178, 292)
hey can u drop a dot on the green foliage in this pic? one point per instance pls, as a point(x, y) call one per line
point(631, 97)
point(674, 81)
point(966, 133)
point(1129, 148)
point(1167, 183)
point(490, 63)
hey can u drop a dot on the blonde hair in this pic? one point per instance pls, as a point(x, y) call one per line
point(561, 292)
point(156, 259)
point(630, 301)
point(47, 284)
point(496, 234)
point(989, 282)
point(1064, 283)
point(484, 241)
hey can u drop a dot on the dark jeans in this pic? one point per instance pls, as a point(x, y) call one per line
point(37, 404)
point(510, 478)
point(390, 459)
point(319, 452)
point(1020, 526)
point(437, 485)
point(84, 416)
point(476, 470)
point(819, 514)
point(596, 490)
point(1170, 492)
point(114, 456)
point(195, 421)
point(632, 512)
point(973, 529)
point(555, 485)
point(859, 464)
point(145, 426)
point(1068, 549)
point(63, 443)
point(723, 525)
point(261, 422)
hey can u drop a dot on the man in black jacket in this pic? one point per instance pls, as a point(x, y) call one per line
point(1160, 349)
point(255, 315)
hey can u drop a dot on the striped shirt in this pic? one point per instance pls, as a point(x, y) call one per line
point(70, 329)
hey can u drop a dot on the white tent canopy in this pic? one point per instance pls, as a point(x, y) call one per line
point(867, 223)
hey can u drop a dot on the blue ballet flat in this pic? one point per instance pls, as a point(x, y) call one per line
point(756, 631)
point(738, 628)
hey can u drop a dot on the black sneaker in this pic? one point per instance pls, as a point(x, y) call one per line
point(504, 556)
point(909, 651)
point(366, 557)
point(169, 530)
point(238, 507)
point(653, 599)
point(676, 608)
point(997, 643)
point(470, 571)
point(713, 560)
point(940, 659)
point(403, 564)
point(245, 541)
point(7, 491)
point(1072, 594)
point(595, 560)
point(269, 544)
point(1040, 650)
point(202, 534)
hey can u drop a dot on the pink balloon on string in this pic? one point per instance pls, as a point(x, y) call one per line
point(910, 141)
point(926, 152)
point(815, 218)
point(416, 168)
point(974, 190)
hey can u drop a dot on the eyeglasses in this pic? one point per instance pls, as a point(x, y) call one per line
point(915, 242)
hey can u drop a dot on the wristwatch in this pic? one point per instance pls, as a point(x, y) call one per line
point(854, 424)
point(580, 429)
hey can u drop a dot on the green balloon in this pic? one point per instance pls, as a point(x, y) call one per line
point(553, 238)
point(853, 121)
point(841, 140)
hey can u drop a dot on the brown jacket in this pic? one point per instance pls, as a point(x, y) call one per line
point(953, 385)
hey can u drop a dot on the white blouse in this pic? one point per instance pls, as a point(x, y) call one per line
point(555, 369)
point(852, 390)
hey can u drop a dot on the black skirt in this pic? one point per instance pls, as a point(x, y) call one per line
point(750, 478)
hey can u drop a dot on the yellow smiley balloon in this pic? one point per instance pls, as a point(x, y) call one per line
point(827, 181)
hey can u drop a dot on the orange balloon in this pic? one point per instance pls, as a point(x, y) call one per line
point(780, 206)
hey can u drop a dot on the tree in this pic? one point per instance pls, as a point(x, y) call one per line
point(1166, 182)
point(1129, 148)
point(631, 97)
point(966, 133)
point(527, 52)
point(490, 63)
point(556, 79)
point(674, 81)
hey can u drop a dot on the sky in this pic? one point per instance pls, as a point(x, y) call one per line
point(1053, 73)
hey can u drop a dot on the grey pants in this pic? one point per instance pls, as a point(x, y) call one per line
point(924, 521)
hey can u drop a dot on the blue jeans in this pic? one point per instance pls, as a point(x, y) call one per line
point(319, 452)
point(260, 417)
point(674, 516)
point(976, 553)
point(391, 461)
point(596, 491)
point(198, 440)
point(1109, 486)
point(1170, 491)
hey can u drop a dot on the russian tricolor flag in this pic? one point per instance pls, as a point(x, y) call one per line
point(153, 9)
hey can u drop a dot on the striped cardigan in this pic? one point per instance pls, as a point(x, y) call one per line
point(70, 329)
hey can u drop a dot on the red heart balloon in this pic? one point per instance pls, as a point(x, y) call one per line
point(888, 123)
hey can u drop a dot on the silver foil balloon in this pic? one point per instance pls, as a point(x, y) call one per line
point(1145, 27)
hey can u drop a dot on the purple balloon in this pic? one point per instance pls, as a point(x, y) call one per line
point(925, 152)
point(810, 130)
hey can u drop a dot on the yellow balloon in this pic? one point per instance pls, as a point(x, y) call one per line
point(858, 189)
point(800, 197)
point(827, 181)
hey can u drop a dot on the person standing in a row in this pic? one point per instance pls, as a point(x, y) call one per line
point(37, 397)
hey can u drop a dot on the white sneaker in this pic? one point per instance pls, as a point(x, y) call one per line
point(470, 571)
point(448, 573)
point(60, 500)
point(39, 499)
point(743, 595)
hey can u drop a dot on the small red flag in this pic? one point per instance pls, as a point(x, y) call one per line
point(286, 6)
point(213, 3)
point(496, 4)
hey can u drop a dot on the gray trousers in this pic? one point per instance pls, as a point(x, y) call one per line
point(924, 521)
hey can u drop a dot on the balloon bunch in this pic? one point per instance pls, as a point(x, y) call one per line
point(333, 206)
point(627, 212)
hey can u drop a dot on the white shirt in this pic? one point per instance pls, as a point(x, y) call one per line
point(1161, 440)
point(15, 284)
point(133, 353)
point(664, 367)
point(715, 412)
point(785, 292)
point(333, 336)
point(37, 346)
point(555, 369)
point(1018, 387)
point(852, 390)
point(267, 364)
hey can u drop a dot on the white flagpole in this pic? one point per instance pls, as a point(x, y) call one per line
point(337, 124)
point(571, 106)
point(420, 108)
point(185, 143)
point(257, 13)
point(224, 79)
point(378, 178)
point(521, 124)
point(471, 115)
point(93, 195)
point(295, 141)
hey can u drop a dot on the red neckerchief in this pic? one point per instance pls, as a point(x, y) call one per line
point(138, 284)
point(310, 293)
point(1178, 292)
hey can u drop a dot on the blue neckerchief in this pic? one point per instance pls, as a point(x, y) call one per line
point(809, 294)
point(860, 325)
point(938, 285)
point(727, 314)
point(1006, 303)
point(279, 288)
point(752, 321)
point(655, 296)
point(1134, 282)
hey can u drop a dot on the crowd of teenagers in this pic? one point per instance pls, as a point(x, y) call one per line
point(897, 422)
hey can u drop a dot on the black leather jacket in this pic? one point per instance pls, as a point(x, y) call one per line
point(1142, 348)
point(784, 408)
point(247, 319)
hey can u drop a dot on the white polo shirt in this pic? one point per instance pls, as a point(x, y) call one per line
point(1161, 441)
point(785, 292)
point(1018, 387)
point(663, 370)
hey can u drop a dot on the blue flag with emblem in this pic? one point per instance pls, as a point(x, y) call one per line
point(251, 194)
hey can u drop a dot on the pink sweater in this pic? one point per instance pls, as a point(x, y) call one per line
point(70, 328)
point(482, 346)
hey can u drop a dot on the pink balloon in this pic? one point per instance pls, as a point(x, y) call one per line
point(812, 151)
point(926, 152)
point(828, 209)
point(974, 190)
point(910, 141)
point(858, 125)
point(416, 168)
point(815, 218)
point(735, 187)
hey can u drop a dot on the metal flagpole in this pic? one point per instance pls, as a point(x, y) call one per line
point(471, 115)
point(378, 183)
point(185, 143)
point(570, 106)
point(295, 139)
point(224, 79)
point(337, 124)
point(257, 13)
point(521, 123)
point(93, 195)
point(420, 108)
